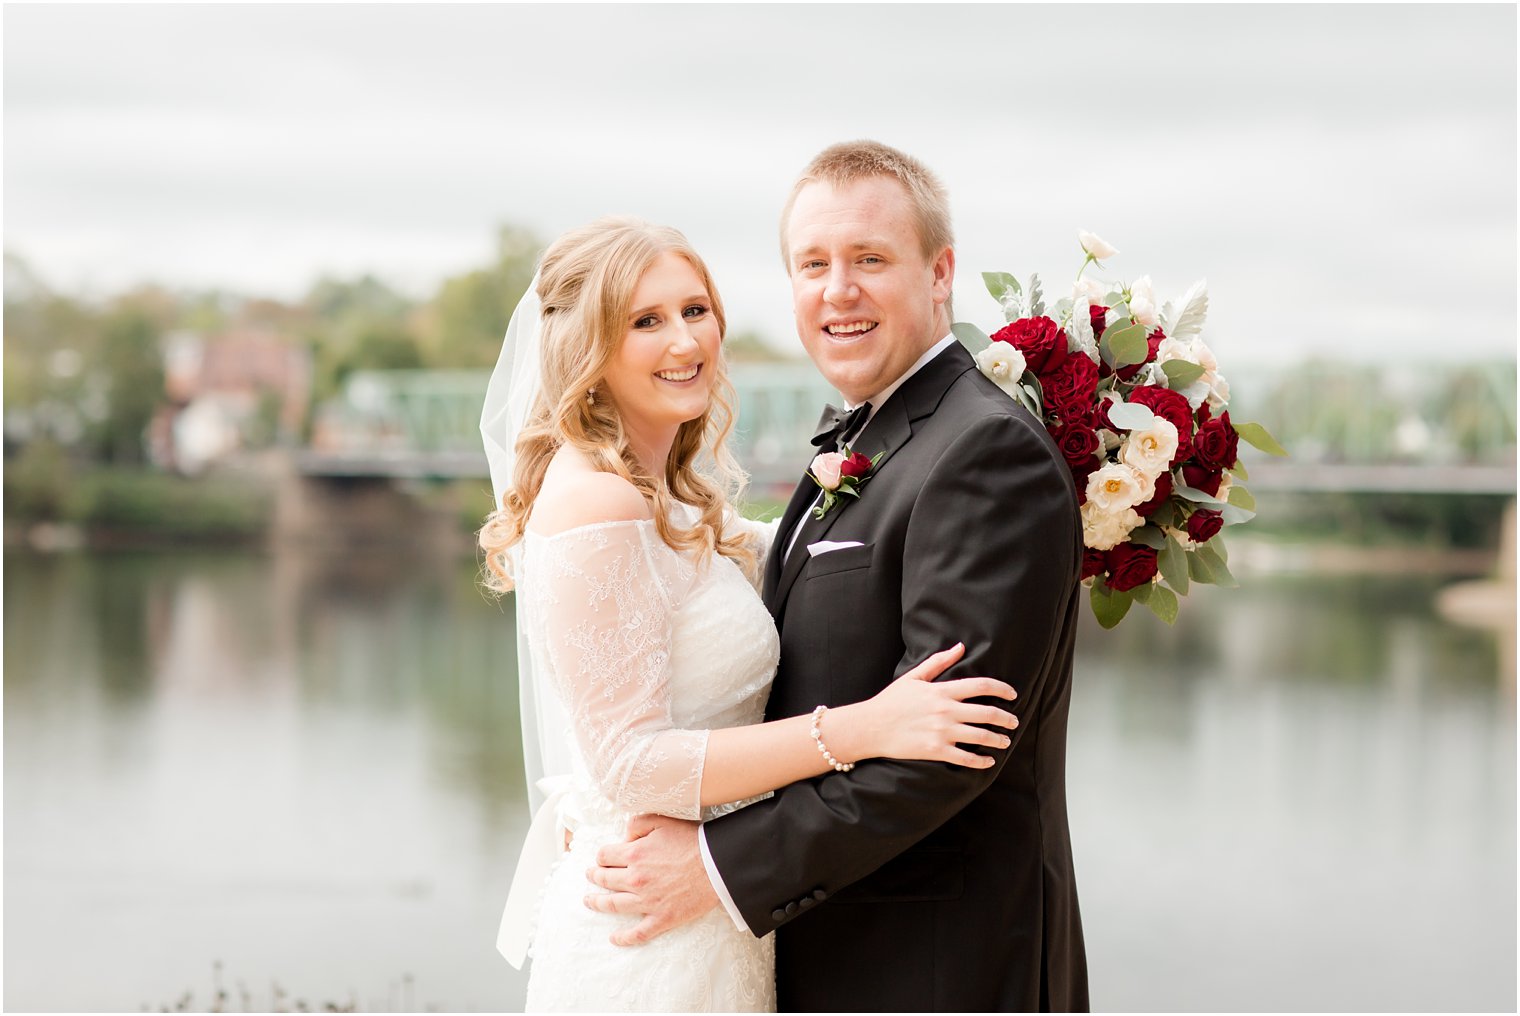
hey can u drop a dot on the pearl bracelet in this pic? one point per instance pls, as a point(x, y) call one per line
point(828, 756)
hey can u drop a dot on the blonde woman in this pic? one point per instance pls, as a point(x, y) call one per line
point(645, 653)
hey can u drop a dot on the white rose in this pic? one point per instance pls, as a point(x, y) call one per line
point(1149, 451)
point(1004, 364)
point(1142, 302)
point(1103, 530)
point(1225, 483)
point(1092, 289)
point(1096, 247)
point(1175, 349)
point(1219, 394)
point(1116, 486)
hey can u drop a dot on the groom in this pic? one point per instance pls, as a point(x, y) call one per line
point(900, 885)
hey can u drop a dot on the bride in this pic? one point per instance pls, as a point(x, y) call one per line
point(645, 653)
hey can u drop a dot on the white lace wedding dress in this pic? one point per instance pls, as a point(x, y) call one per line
point(647, 651)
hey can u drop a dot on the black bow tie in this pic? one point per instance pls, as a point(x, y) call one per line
point(837, 426)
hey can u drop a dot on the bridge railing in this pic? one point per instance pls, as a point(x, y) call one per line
point(1348, 427)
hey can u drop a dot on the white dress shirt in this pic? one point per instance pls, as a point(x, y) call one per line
point(876, 401)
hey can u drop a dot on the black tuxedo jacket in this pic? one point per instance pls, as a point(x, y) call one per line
point(926, 886)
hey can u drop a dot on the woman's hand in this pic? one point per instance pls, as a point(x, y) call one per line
point(916, 717)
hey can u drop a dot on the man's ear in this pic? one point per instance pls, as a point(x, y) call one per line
point(944, 274)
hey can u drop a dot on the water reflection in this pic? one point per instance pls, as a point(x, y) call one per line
point(1300, 797)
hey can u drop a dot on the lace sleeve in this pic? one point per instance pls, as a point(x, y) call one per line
point(610, 592)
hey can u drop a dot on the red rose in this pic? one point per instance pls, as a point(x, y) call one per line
point(857, 465)
point(1040, 340)
point(1081, 473)
point(1077, 441)
point(1153, 341)
point(1172, 407)
point(1216, 445)
point(1098, 314)
point(1070, 388)
point(1204, 524)
point(1129, 565)
point(1202, 478)
point(1163, 491)
point(1202, 416)
point(1094, 562)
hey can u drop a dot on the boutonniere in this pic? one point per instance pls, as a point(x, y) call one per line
point(841, 475)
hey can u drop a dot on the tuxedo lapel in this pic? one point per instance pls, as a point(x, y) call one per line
point(888, 431)
point(803, 496)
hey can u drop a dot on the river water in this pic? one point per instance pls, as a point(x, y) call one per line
point(299, 782)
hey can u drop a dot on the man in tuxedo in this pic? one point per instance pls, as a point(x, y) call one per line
point(900, 885)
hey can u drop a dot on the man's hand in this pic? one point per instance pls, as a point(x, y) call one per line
point(657, 872)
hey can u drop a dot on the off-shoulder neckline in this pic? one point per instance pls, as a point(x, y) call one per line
point(585, 527)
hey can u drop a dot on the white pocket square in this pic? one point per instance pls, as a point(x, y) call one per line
point(825, 546)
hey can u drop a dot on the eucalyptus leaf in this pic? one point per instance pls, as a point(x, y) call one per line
point(1148, 536)
point(1164, 516)
point(1163, 603)
point(1197, 496)
point(1197, 570)
point(973, 338)
point(1126, 345)
point(1180, 373)
point(1218, 570)
point(1130, 415)
point(1242, 498)
point(1142, 592)
point(999, 284)
point(1108, 606)
point(1239, 469)
point(1174, 568)
point(1234, 515)
point(1257, 436)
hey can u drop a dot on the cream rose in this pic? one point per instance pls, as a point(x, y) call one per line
point(1116, 486)
point(1104, 530)
point(1096, 247)
point(1004, 364)
point(1150, 451)
point(1142, 302)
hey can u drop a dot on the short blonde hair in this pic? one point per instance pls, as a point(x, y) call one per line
point(848, 161)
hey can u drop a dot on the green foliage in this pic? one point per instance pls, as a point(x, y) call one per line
point(1124, 345)
point(1257, 436)
point(1180, 373)
point(1163, 603)
point(466, 320)
point(1109, 607)
point(973, 338)
point(1174, 565)
point(132, 361)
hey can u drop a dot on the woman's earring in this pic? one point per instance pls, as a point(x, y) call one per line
point(591, 397)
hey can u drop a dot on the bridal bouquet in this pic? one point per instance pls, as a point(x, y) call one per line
point(1135, 401)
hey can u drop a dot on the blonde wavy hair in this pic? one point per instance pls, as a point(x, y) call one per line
point(587, 280)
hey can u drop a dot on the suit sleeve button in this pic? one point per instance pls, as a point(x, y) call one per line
point(820, 895)
point(806, 901)
point(791, 908)
point(778, 915)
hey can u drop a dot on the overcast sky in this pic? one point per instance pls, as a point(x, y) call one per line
point(1344, 177)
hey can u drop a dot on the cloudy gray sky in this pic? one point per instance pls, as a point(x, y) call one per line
point(1344, 176)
